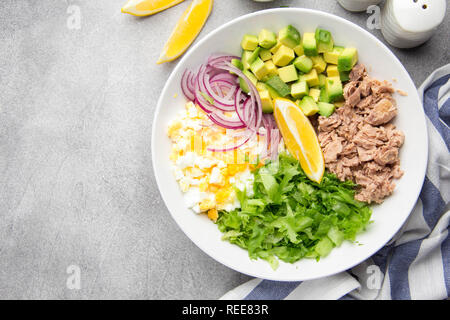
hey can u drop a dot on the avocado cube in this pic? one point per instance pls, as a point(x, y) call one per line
point(333, 55)
point(288, 73)
point(266, 101)
point(283, 56)
point(347, 59)
point(310, 44)
point(299, 89)
point(314, 93)
point(311, 78)
point(265, 55)
point(325, 109)
point(275, 48)
point(322, 79)
point(289, 36)
point(260, 86)
point(344, 75)
point(245, 59)
point(243, 84)
point(237, 63)
point(254, 55)
point(271, 67)
point(299, 50)
point(303, 63)
point(323, 97)
point(324, 40)
point(332, 71)
point(278, 85)
point(249, 42)
point(273, 94)
point(339, 104)
point(319, 63)
point(267, 39)
point(308, 106)
point(259, 69)
point(333, 86)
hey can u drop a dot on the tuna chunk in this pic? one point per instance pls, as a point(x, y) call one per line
point(359, 142)
point(358, 72)
point(383, 112)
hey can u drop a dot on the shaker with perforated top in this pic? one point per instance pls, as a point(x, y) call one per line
point(409, 23)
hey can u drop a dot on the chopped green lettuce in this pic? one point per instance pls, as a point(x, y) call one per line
point(291, 217)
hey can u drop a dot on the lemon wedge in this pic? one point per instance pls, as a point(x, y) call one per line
point(300, 138)
point(148, 7)
point(186, 30)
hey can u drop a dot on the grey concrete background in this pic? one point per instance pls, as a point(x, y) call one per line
point(76, 180)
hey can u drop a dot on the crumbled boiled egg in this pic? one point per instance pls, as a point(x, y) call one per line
point(208, 178)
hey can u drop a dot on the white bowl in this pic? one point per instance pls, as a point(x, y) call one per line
point(387, 218)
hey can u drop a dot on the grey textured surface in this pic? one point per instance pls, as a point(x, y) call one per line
point(76, 180)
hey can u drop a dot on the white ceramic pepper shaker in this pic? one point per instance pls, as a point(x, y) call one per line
point(357, 5)
point(409, 23)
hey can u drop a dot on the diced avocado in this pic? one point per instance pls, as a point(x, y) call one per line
point(322, 79)
point(267, 39)
point(303, 63)
point(271, 67)
point(273, 93)
point(325, 109)
point(339, 104)
point(243, 84)
point(323, 95)
point(260, 86)
point(283, 56)
point(314, 93)
point(288, 73)
point(245, 59)
point(324, 40)
point(319, 63)
point(281, 88)
point(310, 44)
point(333, 86)
point(275, 48)
point(344, 75)
point(333, 55)
point(265, 55)
point(249, 42)
point(332, 71)
point(299, 50)
point(347, 59)
point(289, 36)
point(299, 89)
point(308, 106)
point(237, 63)
point(311, 78)
point(259, 69)
point(266, 101)
point(324, 247)
point(254, 55)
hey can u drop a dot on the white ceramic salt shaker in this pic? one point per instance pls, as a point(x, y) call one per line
point(409, 23)
point(357, 5)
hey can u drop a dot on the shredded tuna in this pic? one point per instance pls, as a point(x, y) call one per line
point(359, 141)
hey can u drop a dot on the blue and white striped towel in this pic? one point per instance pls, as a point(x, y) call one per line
point(415, 264)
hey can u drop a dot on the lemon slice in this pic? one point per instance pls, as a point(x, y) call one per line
point(186, 30)
point(300, 138)
point(148, 7)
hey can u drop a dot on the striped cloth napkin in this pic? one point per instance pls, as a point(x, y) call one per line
point(415, 264)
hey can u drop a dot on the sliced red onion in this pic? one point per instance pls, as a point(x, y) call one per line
point(218, 79)
point(226, 122)
point(185, 85)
